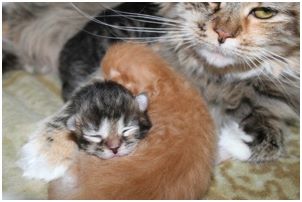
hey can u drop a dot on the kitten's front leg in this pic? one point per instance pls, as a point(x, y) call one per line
point(50, 151)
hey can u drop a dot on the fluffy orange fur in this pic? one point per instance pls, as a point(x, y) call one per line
point(174, 161)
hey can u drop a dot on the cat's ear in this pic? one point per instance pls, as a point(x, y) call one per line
point(142, 100)
point(71, 123)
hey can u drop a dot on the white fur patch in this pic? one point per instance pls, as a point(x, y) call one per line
point(93, 139)
point(120, 125)
point(104, 129)
point(232, 142)
point(129, 130)
point(36, 166)
point(113, 73)
point(142, 101)
point(217, 59)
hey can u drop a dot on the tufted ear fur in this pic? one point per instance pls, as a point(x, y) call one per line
point(71, 123)
point(142, 100)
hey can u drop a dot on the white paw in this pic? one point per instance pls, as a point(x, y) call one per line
point(43, 162)
point(232, 142)
point(36, 165)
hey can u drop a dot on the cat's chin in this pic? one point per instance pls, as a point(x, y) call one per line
point(109, 155)
point(216, 58)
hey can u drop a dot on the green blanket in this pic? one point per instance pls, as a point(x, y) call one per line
point(28, 99)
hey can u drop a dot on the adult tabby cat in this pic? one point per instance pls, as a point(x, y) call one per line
point(244, 57)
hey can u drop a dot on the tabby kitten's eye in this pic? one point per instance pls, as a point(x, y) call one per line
point(128, 131)
point(263, 12)
point(93, 138)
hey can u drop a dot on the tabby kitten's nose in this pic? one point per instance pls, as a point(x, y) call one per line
point(113, 144)
point(223, 35)
point(114, 150)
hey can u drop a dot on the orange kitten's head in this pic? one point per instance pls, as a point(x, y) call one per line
point(134, 65)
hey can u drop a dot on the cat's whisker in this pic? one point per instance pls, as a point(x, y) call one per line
point(278, 57)
point(268, 56)
point(155, 19)
point(255, 66)
point(190, 45)
point(283, 73)
point(134, 29)
point(261, 59)
point(150, 20)
point(278, 85)
point(141, 39)
point(289, 81)
point(159, 18)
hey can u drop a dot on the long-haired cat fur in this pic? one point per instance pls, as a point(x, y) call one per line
point(174, 161)
point(243, 56)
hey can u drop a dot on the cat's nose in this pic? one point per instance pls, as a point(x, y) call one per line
point(113, 144)
point(223, 35)
point(114, 150)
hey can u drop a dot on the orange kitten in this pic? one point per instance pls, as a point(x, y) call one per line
point(176, 158)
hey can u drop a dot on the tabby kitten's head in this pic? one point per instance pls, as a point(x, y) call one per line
point(107, 119)
point(237, 37)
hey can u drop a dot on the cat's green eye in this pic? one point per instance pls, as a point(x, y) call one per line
point(263, 12)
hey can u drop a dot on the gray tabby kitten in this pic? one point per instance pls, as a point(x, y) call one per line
point(105, 118)
point(101, 118)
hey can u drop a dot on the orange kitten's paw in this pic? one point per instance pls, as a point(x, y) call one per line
point(47, 155)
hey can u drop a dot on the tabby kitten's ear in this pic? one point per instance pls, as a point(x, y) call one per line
point(71, 123)
point(142, 100)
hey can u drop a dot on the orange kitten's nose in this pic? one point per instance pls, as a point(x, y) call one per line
point(222, 35)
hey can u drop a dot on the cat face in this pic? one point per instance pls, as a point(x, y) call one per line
point(108, 121)
point(245, 35)
point(112, 137)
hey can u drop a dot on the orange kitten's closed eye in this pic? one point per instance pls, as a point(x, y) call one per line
point(174, 161)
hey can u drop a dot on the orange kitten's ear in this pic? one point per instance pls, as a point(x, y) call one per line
point(114, 73)
point(142, 100)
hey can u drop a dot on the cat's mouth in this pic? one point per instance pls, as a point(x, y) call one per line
point(216, 57)
point(123, 150)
